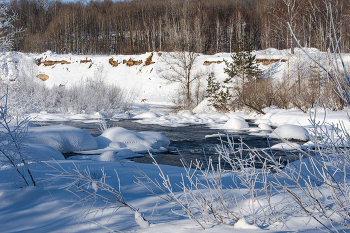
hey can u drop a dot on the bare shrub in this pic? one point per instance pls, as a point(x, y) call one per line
point(94, 192)
point(11, 147)
point(330, 98)
point(259, 95)
point(28, 94)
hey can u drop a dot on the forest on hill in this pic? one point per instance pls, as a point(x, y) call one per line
point(203, 26)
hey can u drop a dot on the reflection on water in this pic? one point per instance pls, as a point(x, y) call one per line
point(190, 140)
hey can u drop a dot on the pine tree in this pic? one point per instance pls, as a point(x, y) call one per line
point(243, 66)
point(219, 95)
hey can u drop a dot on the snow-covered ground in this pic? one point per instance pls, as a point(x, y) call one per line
point(50, 208)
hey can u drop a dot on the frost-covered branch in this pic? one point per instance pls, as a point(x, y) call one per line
point(94, 192)
point(12, 133)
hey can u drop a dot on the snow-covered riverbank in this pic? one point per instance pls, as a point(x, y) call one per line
point(259, 204)
point(43, 208)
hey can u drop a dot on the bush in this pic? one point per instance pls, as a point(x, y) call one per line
point(28, 94)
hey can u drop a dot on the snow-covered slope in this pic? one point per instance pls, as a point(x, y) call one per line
point(131, 71)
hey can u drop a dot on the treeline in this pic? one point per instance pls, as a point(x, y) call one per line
point(205, 26)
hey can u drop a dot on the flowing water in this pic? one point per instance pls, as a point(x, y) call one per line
point(189, 142)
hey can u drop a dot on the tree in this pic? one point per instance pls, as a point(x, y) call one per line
point(7, 30)
point(242, 67)
point(179, 67)
point(219, 95)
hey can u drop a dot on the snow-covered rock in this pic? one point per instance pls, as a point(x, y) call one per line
point(289, 131)
point(224, 118)
point(135, 141)
point(264, 126)
point(236, 124)
point(61, 137)
point(108, 156)
point(125, 153)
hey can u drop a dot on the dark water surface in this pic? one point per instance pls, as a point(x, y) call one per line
point(190, 140)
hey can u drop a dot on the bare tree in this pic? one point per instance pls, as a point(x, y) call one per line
point(180, 67)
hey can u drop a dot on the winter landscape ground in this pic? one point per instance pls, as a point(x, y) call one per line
point(102, 191)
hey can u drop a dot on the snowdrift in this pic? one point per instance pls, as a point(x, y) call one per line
point(61, 137)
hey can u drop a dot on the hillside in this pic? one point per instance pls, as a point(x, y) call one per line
point(131, 73)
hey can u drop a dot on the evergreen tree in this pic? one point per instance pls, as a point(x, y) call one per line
point(219, 95)
point(243, 66)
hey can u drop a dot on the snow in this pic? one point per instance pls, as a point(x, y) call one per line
point(264, 126)
point(204, 107)
point(242, 224)
point(236, 124)
point(61, 137)
point(45, 208)
point(116, 138)
point(39, 152)
point(146, 115)
point(111, 155)
point(108, 156)
point(126, 153)
point(44, 116)
point(141, 221)
point(289, 131)
point(287, 146)
point(224, 118)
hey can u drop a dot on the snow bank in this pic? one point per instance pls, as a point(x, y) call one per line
point(291, 132)
point(204, 107)
point(61, 137)
point(39, 152)
point(146, 115)
point(118, 137)
point(44, 116)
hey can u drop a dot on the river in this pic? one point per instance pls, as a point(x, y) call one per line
point(191, 141)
